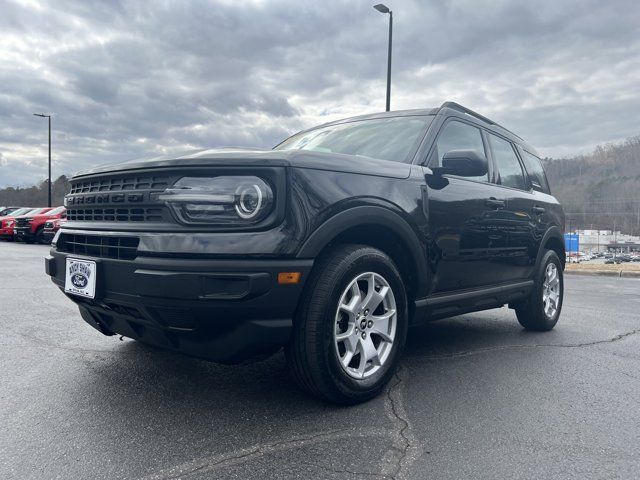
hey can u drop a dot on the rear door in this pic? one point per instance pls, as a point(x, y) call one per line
point(520, 214)
point(466, 235)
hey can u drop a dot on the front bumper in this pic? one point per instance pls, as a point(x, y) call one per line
point(226, 311)
point(47, 235)
point(6, 233)
point(22, 234)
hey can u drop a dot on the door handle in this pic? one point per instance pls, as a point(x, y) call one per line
point(538, 210)
point(494, 203)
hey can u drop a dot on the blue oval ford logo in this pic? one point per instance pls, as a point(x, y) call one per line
point(79, 280)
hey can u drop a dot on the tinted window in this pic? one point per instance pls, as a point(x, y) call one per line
point(509, 168)
point(536, 173)
point(384, 138)
point(458, 136)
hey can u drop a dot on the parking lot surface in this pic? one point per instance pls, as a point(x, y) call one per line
point(476, 397)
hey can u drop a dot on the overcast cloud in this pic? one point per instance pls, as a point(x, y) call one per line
point(128, 79)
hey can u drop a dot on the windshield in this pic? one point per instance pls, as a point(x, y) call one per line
point(19, 211)
point(55, 211)
point(385, 138)
point(35, 211)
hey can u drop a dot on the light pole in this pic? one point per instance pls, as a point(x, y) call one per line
point(384, 9)
point(48, 117)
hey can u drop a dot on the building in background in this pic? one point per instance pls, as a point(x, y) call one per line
point(607, 241)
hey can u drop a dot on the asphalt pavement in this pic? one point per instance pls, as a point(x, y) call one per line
point(477, 397)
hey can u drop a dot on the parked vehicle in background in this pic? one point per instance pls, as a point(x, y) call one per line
point(330, 245)
point(51, 227)
point(15, 212)
point(30, 228)
point(8, 223)
point(4, 211)
point(612, 261)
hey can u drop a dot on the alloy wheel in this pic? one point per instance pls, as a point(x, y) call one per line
point(551, 290)
point(365, 325)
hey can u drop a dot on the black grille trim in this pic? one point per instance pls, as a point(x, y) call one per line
point(124, 214)
point(119, 248)
point(117, 184)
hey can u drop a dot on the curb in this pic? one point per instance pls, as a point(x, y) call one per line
point(605, 273)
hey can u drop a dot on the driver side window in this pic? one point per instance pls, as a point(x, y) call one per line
point(458, 136)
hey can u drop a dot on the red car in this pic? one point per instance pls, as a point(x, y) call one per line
point(8, 223)
point(30, 227)
point(51, 227)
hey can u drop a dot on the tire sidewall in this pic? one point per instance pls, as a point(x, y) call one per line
point(549, 257)
point(372, 261)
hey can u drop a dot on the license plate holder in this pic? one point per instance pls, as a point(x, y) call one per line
point(80, 277)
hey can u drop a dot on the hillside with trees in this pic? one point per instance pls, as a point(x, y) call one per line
point(600, 190)
point(36, 196)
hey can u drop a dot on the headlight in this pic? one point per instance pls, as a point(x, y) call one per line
point(9, 223)
point(220, 200)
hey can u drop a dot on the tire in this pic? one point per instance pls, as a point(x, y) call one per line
point(536, 313)
point(317, 353)
point(38, 238)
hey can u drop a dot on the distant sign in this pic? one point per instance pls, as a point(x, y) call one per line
point(571, 242)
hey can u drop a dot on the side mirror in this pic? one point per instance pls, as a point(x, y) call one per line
point(464, 163)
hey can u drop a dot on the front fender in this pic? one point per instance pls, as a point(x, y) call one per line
point(370, 215)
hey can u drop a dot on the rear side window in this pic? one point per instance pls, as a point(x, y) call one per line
point(536, 173)
point(458, 136)
point(509, 168)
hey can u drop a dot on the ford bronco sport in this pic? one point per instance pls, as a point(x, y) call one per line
point(330, 245)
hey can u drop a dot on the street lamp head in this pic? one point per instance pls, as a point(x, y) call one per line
point(382, 8)
point(42, 115)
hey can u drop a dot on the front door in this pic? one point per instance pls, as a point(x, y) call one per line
point(467, 228)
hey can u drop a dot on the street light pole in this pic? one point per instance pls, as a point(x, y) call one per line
point(49, 118)
point(384, 9)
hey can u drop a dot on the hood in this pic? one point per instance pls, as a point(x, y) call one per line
point(248, 157)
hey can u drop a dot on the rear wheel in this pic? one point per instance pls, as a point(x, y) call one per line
point(351, 325)
point(540, 312)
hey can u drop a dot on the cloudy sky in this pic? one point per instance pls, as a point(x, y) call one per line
point(125, 79)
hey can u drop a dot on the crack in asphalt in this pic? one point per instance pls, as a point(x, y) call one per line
point(478, 351)
point(207, 464)
point(345, 470)
point(405, 445)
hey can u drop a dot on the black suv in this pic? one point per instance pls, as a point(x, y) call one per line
point(330, 245)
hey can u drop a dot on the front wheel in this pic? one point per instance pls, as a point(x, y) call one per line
point(540, 312)
point(351, 325)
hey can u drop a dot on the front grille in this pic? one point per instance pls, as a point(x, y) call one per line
point(115, 214)
point(120, 248)
point(120, 198)
point(22, 222)
point(138, 182)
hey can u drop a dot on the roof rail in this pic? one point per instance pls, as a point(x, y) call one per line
point(468, 111)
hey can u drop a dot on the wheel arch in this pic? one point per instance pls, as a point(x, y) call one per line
point(552, 240)
point(378, 227)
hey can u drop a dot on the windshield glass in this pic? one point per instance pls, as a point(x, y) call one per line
point(385, 138)
point(55, 211)
point(35, 211)
point(19, 211)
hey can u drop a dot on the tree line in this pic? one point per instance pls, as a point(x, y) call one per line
point(36, 195)
point(600, 190)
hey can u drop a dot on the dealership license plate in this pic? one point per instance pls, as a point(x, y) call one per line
point(80, 278)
